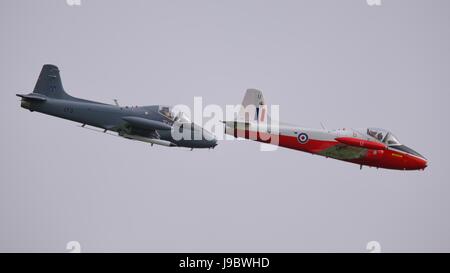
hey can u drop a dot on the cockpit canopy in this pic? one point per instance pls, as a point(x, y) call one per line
point(182, 118)
point(383, 135)
point(166, 111)
point(173, 114)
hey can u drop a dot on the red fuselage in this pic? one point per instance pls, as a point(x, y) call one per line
point(346, 145)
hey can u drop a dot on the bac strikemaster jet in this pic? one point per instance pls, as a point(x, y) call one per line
point(152, 124)
point(370, 146)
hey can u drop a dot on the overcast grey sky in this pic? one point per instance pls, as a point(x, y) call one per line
point(343, 63)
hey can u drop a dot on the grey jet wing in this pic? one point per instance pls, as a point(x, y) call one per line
point(145, 130)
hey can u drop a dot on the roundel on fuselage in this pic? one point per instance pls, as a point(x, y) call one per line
point(302, 138)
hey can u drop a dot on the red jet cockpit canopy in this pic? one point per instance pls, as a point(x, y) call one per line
point(383, 135)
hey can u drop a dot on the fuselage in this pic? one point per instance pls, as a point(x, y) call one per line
point(110, 117)
point(323, 142)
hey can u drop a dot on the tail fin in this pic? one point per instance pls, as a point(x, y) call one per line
point(49, 83)
point(258, 108)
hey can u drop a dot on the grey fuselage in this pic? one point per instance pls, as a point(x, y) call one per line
point(146, 123)
point(110, 117)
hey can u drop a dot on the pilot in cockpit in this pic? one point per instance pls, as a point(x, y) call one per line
point(182, 118)
point(383, 136)
point(165, 111)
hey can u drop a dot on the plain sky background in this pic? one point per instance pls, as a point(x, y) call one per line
point(343, 63)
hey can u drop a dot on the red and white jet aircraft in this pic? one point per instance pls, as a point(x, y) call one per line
point(373, 147)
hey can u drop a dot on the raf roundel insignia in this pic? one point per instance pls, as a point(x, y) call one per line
point(302, 138)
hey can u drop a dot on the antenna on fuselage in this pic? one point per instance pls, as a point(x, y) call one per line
point(323, 127)
point(116, 102)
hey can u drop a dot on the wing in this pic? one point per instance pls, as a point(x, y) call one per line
point(143, 127)
point(32, 97)
point(344, 152)
point(147, 124)
point(349, 148)
point(145, 130)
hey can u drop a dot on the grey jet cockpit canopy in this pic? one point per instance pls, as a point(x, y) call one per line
point(167, 112)
point(182, 118)
point(383, 135)
point(173, 114)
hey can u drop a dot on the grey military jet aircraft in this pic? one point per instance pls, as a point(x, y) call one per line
point(153, 124)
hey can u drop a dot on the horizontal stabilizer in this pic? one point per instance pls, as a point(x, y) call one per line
point(147, 123)
point(236, 123)
point(32, 96)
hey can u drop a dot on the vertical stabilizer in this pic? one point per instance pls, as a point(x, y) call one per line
point(49, 83)
point(254, 108)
